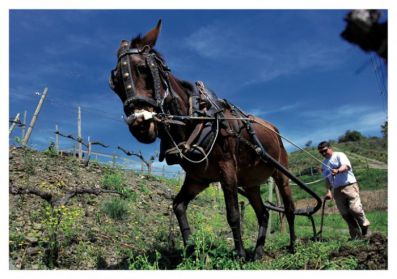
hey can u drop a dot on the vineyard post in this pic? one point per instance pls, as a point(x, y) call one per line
point(280, 214)
point(56, 138)
point(114, 160)
point(14, 123)
point(88, 154)
point(149, 168)
point(24, 124)
point(79, 144)
point(34, 118)
point(269, 227)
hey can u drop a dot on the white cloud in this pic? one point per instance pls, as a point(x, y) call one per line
point(263, 112)
point(262, 62)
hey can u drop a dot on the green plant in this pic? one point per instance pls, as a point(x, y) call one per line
point(29, 162)
point(113, 181)
point(115, 208)
point(143, 262)
point(51, 151)
point(59, 221)
point(143, 187)
point(348, 263)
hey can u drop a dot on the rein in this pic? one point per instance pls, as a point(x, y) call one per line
point(184, 118)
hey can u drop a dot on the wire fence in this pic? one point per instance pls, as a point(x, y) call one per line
point(76, 142)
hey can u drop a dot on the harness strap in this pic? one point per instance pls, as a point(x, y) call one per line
point(139, 99)
point(125, 67)
point(151, 63)
point(196, 132)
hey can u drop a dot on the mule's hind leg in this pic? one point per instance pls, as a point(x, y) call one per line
point(190, 189)
point(254, 196)
point(282, 183)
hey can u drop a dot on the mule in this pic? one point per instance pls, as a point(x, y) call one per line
point(147, 88)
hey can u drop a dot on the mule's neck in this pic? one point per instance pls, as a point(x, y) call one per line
point(183, 91)
point(178, 104)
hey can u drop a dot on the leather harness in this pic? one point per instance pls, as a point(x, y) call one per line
point(159, 72)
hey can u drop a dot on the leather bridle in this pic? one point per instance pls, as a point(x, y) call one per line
point(159, 72)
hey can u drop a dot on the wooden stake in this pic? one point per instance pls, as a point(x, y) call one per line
point(79, 145)
point(14, 123)
point(24, 124)
point(269, 226)
point(56, 138)
point(88, 154)
point(280, 214)
point(34, 118)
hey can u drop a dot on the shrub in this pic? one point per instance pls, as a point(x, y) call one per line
point(116, 209)
point(351, 136)
point(112, 181)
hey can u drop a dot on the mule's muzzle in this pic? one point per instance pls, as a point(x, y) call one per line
point(142, 125)
point(144, 114)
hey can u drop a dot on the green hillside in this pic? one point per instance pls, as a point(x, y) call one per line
point(362, 154)
point(64, 215)
point(368, 157)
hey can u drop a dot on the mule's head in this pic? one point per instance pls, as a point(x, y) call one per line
point(133, 81)
point(360, 25)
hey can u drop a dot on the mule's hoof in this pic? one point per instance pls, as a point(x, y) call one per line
point(258, 255)
point(241, 255)
point(190, 250)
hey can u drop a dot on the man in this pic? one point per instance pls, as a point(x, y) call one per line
point(339, 177)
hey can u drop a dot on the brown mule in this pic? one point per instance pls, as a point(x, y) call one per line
point(147, 89)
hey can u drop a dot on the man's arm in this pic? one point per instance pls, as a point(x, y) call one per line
point(328, 195)
point(344, 164)
point(341, 169)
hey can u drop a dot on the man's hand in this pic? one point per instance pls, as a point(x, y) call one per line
point(328, 196)
point(335, 171)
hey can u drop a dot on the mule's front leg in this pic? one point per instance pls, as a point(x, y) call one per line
point(190, 189)
point(229, 186)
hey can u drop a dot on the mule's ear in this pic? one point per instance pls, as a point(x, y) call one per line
point(151, 37)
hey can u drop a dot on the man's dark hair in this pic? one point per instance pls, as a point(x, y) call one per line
point(323, 144)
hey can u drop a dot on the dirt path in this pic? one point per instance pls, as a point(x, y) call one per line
point(371, 200)
point(372, 163)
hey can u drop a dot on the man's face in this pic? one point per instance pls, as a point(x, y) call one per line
point(325, 152)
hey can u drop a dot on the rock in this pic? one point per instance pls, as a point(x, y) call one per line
point(31, 239)
point(32, 251)
point(37, 226)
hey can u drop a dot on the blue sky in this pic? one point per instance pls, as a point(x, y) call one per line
point(290, 67)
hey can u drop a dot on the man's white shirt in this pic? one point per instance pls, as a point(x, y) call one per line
point(343, 178)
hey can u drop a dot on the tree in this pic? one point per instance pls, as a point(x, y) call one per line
point(308, 143)
point(148, 163)
point(351, 136)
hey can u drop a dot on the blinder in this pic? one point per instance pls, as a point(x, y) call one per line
point(112, 79)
